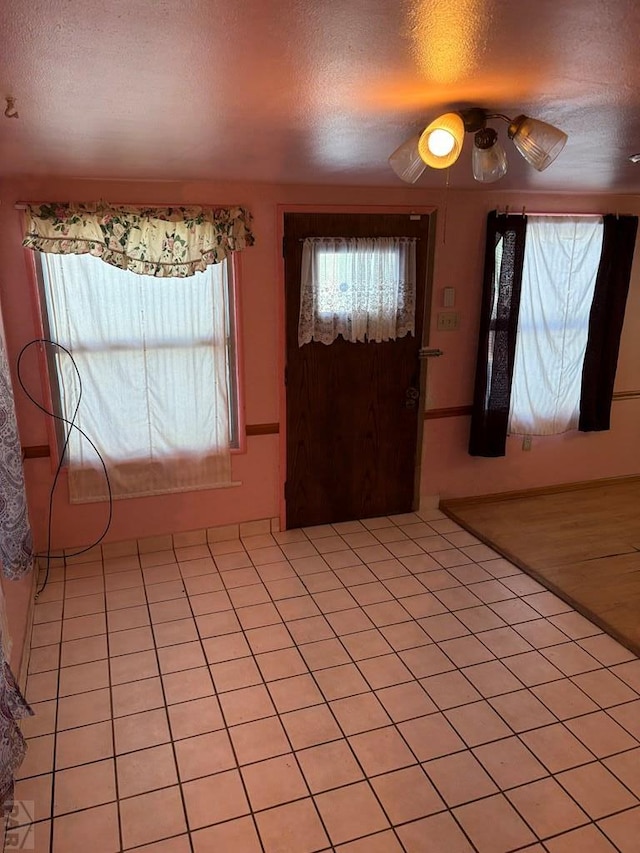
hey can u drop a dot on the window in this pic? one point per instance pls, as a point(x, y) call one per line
point(561, 261)
point(156, 359)
point(361, 288)
point(553, 303)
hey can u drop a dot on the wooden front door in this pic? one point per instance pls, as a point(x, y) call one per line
point(353, 417)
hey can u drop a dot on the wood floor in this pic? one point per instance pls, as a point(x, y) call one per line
point(583, 543)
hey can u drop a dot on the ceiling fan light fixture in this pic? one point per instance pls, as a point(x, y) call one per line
point(440, 143)
point(406, 161)
point(488, 159)
point(538, 142)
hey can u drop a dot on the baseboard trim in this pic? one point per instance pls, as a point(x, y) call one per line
point(626, 395)
point(451, 412)
point(451, 503)
point(262, 429)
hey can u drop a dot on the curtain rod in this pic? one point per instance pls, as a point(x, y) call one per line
point(574, 215)
point(378, 237)
point(23, 205)
point(525, 212)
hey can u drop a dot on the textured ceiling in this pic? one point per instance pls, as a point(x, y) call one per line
point(313, 91)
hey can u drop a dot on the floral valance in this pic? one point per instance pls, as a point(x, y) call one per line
point(162, 242)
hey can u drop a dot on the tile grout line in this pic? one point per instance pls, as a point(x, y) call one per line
point(224, 720)
point(552, 775)
point(549, 773)
point(366, 778)
point(166, 714)
point(429, 642)
point(111, 706)
point(413, 619)
point(394, 725)
point(55, 721)
point(445, 709)
point(277, 715)
point(327, 702)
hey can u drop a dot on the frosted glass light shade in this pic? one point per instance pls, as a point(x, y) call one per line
point(440, 143)
point(488, 160)
point(406, 161)
point(538, 142)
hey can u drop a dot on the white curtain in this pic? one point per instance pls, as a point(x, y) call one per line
point(561, 261)
point(152, 356)
point(361, 288)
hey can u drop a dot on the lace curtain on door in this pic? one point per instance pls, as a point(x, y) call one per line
point(361, 288)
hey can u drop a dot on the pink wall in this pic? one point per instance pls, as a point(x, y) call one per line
point(447, 469)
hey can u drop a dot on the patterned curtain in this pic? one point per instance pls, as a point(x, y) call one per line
point(503, 264)
point(16, 560)
point(12, 743)
point(161, 242)
point(15, 534)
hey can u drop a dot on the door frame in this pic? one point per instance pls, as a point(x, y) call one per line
point(423, 210)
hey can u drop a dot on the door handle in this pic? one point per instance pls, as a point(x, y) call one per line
point(411, 397)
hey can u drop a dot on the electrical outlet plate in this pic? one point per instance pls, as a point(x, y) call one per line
point(526, 442)
point(448, 321)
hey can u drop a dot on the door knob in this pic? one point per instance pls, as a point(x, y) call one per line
point(411, 397)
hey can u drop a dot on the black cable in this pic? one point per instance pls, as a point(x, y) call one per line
point(72, 425)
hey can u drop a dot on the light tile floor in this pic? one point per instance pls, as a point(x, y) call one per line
point(366, 687)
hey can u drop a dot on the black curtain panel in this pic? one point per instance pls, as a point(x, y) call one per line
point(498, 327)
point(605, 321)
